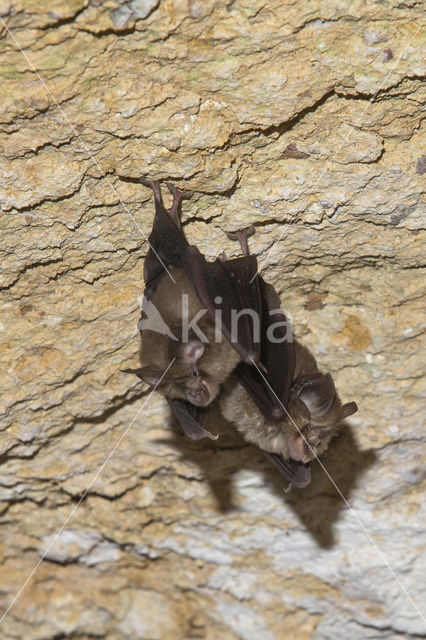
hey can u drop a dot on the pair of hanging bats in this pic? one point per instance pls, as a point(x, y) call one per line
point(215, 329)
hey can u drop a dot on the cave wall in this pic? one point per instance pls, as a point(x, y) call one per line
point(303, 118)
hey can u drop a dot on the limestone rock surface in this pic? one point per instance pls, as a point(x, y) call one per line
point(304, 119)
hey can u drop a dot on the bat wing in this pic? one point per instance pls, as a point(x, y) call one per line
point(168, 247)
point(270, 388)
point(297, 473)
point(189, 418)
point(223, 287)
point(229, 288)
point(232, 300)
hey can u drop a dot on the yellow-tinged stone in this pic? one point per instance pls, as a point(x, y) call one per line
point(160, 537)
point(354, 334)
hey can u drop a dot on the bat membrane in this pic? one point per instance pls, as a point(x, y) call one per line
point(221, 326)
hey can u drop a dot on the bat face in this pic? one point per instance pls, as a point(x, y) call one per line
point(314, 414)
point(189, 379)
point(314, 433)
point(184, 379)
point(195, 385)
point(194, 388)
point(316, 411)
point(197, 372)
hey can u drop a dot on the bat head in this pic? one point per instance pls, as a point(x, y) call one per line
point(317, 413)
point(200, 390)
point(183, 380)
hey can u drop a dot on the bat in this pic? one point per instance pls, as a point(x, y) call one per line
point(175, 271)
point(313, 414)
point(199, 363)
point(264, 371)
point(311, 409)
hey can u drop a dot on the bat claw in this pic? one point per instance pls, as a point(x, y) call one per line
point(146, 182)
point(154, 185)
point(247, 232)
point(178, 193)
point(241, 235)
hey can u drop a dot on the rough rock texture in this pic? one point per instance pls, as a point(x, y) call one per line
point(303, 118)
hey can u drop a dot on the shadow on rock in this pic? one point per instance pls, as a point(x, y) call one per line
point(334, 477)
point(318, 506)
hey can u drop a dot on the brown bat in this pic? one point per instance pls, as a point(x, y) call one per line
point(314, 413)
point(197, 362)
point(264, 369)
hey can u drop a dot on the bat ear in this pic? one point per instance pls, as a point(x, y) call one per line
point(348, 409)
point(192, 351)
point(149, 374)
point(318, 395)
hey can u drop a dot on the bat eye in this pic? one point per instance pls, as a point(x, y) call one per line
point(306, 428)
point(194, 373)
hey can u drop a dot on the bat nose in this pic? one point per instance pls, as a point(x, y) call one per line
point(310, 451)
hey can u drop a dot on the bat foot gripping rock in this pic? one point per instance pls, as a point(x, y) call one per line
point(242, 236)
point(178, 196)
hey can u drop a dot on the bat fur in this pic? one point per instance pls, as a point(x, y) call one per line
point(293, 415)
